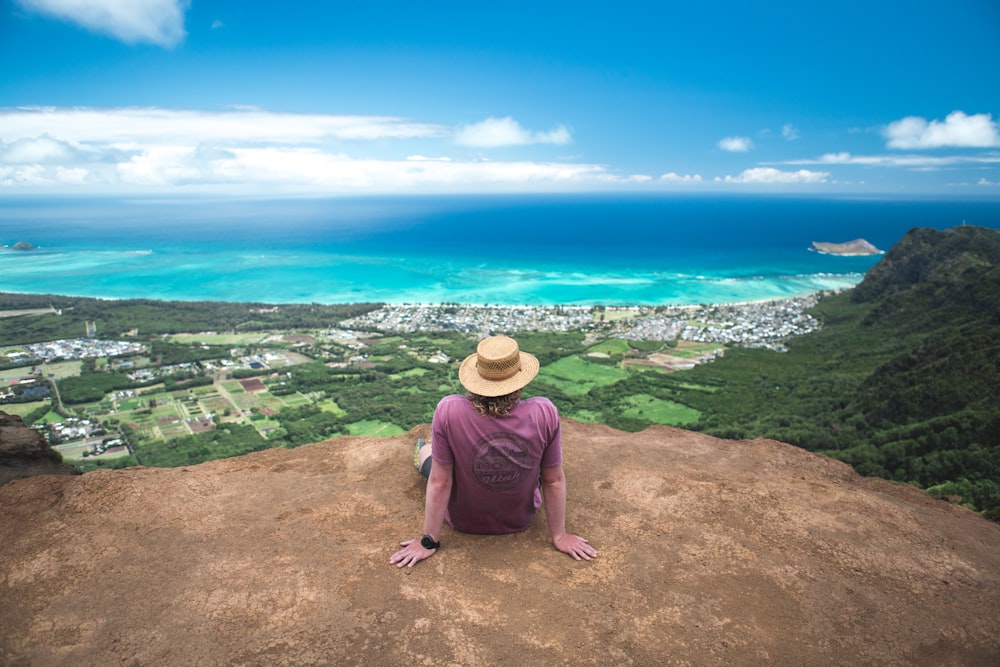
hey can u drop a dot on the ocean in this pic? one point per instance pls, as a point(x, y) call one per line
point(489, 249)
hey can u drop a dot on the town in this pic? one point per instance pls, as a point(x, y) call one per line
point(764, 324)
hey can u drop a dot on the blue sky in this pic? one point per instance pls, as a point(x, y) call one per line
point(247, 97)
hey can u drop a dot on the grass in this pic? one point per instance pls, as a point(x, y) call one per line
point(576, 377)
point(234, 340)
point(52, 417)
point(689, 350)
point(374, 427)
point(63, 369)
point(413, 372)
point(588, 416)
point(610, 346)
point(22, 409)
point(613, 315)
point(14, 373)
point(657, 410)
point(329, 405)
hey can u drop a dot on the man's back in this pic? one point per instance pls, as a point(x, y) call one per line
point(497, 462)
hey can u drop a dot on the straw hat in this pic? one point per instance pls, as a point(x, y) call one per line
point(497, 368)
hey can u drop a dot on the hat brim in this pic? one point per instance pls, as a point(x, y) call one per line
point(474, 382)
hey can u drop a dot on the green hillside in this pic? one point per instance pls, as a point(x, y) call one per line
point(902, 382)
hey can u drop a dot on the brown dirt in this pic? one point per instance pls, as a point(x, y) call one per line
point(712, 552)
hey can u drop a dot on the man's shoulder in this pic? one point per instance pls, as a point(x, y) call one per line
point(451, 401)
point(541, 404)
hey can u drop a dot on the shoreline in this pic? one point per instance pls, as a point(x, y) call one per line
point(401, 304)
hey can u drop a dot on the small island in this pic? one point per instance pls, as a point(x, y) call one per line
point(850, 249)
point(22, 245)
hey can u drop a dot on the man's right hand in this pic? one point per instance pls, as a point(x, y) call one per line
point(575, 546)
point(411, 553)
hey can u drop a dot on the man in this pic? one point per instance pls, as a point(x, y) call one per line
point(493, 458)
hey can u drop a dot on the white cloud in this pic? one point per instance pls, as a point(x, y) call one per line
point(736, 144)
point(37, 150)
point(494, 132)
point(159, 22)
point(770, 176)
point(906, 161)
point(789, 132)
point(957, 130)
point(618, 178)
point(671, 177)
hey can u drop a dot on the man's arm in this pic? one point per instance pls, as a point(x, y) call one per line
point(554, 498)
point(435, 502)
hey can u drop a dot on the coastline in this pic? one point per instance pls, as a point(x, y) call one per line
point(765, 323)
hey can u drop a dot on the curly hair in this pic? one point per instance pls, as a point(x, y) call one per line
point(495, 406)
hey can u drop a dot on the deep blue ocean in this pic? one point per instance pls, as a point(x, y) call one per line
point(487, 249)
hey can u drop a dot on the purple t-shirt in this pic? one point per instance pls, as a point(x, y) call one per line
point(497, 462)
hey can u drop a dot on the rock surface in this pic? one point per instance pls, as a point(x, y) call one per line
point(24, 452)
point(712, 552)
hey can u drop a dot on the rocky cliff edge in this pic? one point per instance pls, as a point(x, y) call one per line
point(712, 552)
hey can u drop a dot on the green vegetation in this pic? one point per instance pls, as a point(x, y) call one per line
point(145, 317)
point(901, 382)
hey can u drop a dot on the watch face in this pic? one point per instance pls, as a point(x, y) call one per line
point(427, 542)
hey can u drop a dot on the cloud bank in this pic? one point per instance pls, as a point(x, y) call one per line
point(958, 130)
point(142, 149)
point(159, 22)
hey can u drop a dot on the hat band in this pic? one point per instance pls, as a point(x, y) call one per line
point(497, 371)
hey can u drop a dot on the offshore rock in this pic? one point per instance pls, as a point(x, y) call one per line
point(712, 552)
point(850, 249)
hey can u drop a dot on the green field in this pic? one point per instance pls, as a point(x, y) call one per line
point(330, 405)
point(657, 410)
point(22, 409)
point(374, 427)
point(234, 340)
point(611, 346)
point(63, 369)
point(686, 350)
point(576, 376)
point(14, 373)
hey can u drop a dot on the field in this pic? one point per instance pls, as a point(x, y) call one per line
point(63, 369)
point(374, 428)
point(22, 409)
point(234, 340)
point(576, 376)
point(657, 410)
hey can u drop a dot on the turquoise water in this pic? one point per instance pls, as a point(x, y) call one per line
point(536, 250)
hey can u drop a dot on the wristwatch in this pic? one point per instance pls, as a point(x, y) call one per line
point(427, 542)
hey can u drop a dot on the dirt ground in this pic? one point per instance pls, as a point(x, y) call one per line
point(712, 552)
